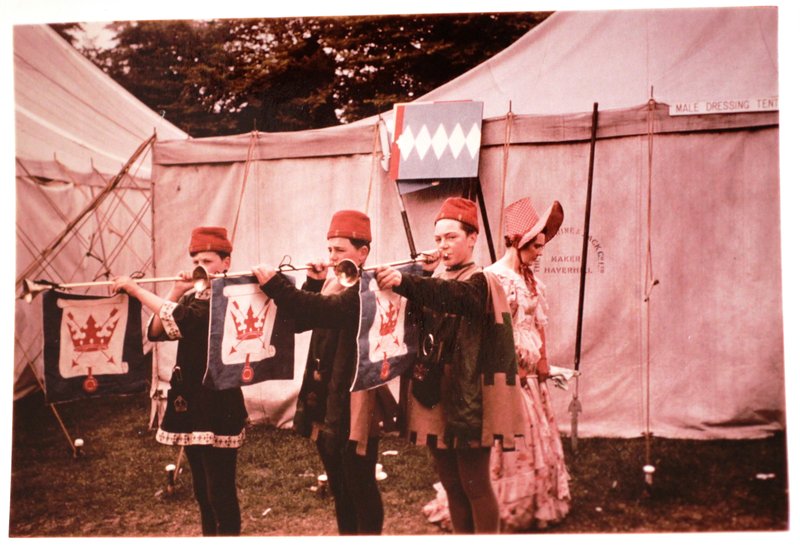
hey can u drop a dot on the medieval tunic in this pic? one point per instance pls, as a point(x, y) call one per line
point(481, 400)
point(325, 404)
point(196, 414)
point(532, 483)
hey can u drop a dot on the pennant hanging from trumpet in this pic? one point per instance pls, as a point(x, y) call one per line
point(250, 340)
point(92, 346)
point(387, 336)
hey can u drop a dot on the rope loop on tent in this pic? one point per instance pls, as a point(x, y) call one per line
point(504, 174)
point(250, 148)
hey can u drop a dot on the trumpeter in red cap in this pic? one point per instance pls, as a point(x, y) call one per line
point(333, 313)
point(456, 232)
point(463, 395)
point(350, 224)
point(208, 423)
point(210, 239)
point(459, 209)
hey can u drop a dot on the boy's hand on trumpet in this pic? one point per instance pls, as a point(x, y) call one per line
point(429, 260)
point(317, 270)
point(184, 285)
point(264, 272)
point(387, 277)
point(125, 284)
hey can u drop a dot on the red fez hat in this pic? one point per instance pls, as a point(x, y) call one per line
point(523, 223)
point(459, 209)
point(210, 239)
point(350, 224)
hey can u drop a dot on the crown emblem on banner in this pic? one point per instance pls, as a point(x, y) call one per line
point(92, 336)
point(388, 321)
point(249, 325)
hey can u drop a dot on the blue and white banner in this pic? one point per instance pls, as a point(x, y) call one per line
point(92, 346)
point(249, 339)
point(387, 335)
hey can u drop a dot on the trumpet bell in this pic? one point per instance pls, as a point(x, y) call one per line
point(31, 289)
point(347, 272)
point(201, 278)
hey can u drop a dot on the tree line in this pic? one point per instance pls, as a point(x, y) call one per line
point(231, 76)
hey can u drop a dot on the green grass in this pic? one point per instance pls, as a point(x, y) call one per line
point(117, 488)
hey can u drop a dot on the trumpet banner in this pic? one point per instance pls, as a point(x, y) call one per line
point(92, 346)
point(388, 335)
point(250, 340)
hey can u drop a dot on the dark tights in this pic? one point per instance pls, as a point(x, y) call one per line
point(351, 478)
point(214, 481)
point(464, 474)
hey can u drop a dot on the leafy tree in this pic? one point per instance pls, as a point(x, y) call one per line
point(230, 76)
point(66, 30)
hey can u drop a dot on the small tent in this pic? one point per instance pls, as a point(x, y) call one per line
point(682, 329)
point(83, 181)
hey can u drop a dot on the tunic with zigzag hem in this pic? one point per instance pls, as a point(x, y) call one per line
point(195, 414)
point(481, 398)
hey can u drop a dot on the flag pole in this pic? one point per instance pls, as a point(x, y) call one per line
point(575, 406)
point(485, 218)
point(406, 225)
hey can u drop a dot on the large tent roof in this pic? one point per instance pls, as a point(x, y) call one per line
point(69, 111)
point(616, 58)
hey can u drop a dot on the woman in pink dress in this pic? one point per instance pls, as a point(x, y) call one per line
point(531, 483)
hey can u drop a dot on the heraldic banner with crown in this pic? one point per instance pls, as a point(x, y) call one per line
point(387, 337)
point(249, 340)
point(92, 346)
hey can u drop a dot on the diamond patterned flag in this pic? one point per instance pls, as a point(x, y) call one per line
point(249, 339)
point(436, 140)
point(387, 335)
point(92, 346)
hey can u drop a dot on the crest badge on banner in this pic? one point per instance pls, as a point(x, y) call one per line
point(92, 346)
point(250, 341)
point(387, 335)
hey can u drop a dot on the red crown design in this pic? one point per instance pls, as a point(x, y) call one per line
point(388, 321)
point(92, 336)
point(249, 326)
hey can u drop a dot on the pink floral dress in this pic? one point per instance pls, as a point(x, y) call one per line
point(532, 482)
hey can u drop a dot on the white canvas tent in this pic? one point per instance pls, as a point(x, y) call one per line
point(691, 201)
point(76, 129)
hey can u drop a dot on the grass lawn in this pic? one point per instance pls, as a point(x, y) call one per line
point(117, 488)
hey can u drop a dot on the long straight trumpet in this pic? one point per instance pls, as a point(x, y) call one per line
point(31, 289)
point(202, 278)
point(345, 270)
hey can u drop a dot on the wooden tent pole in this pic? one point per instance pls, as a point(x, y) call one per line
point(575, 405)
